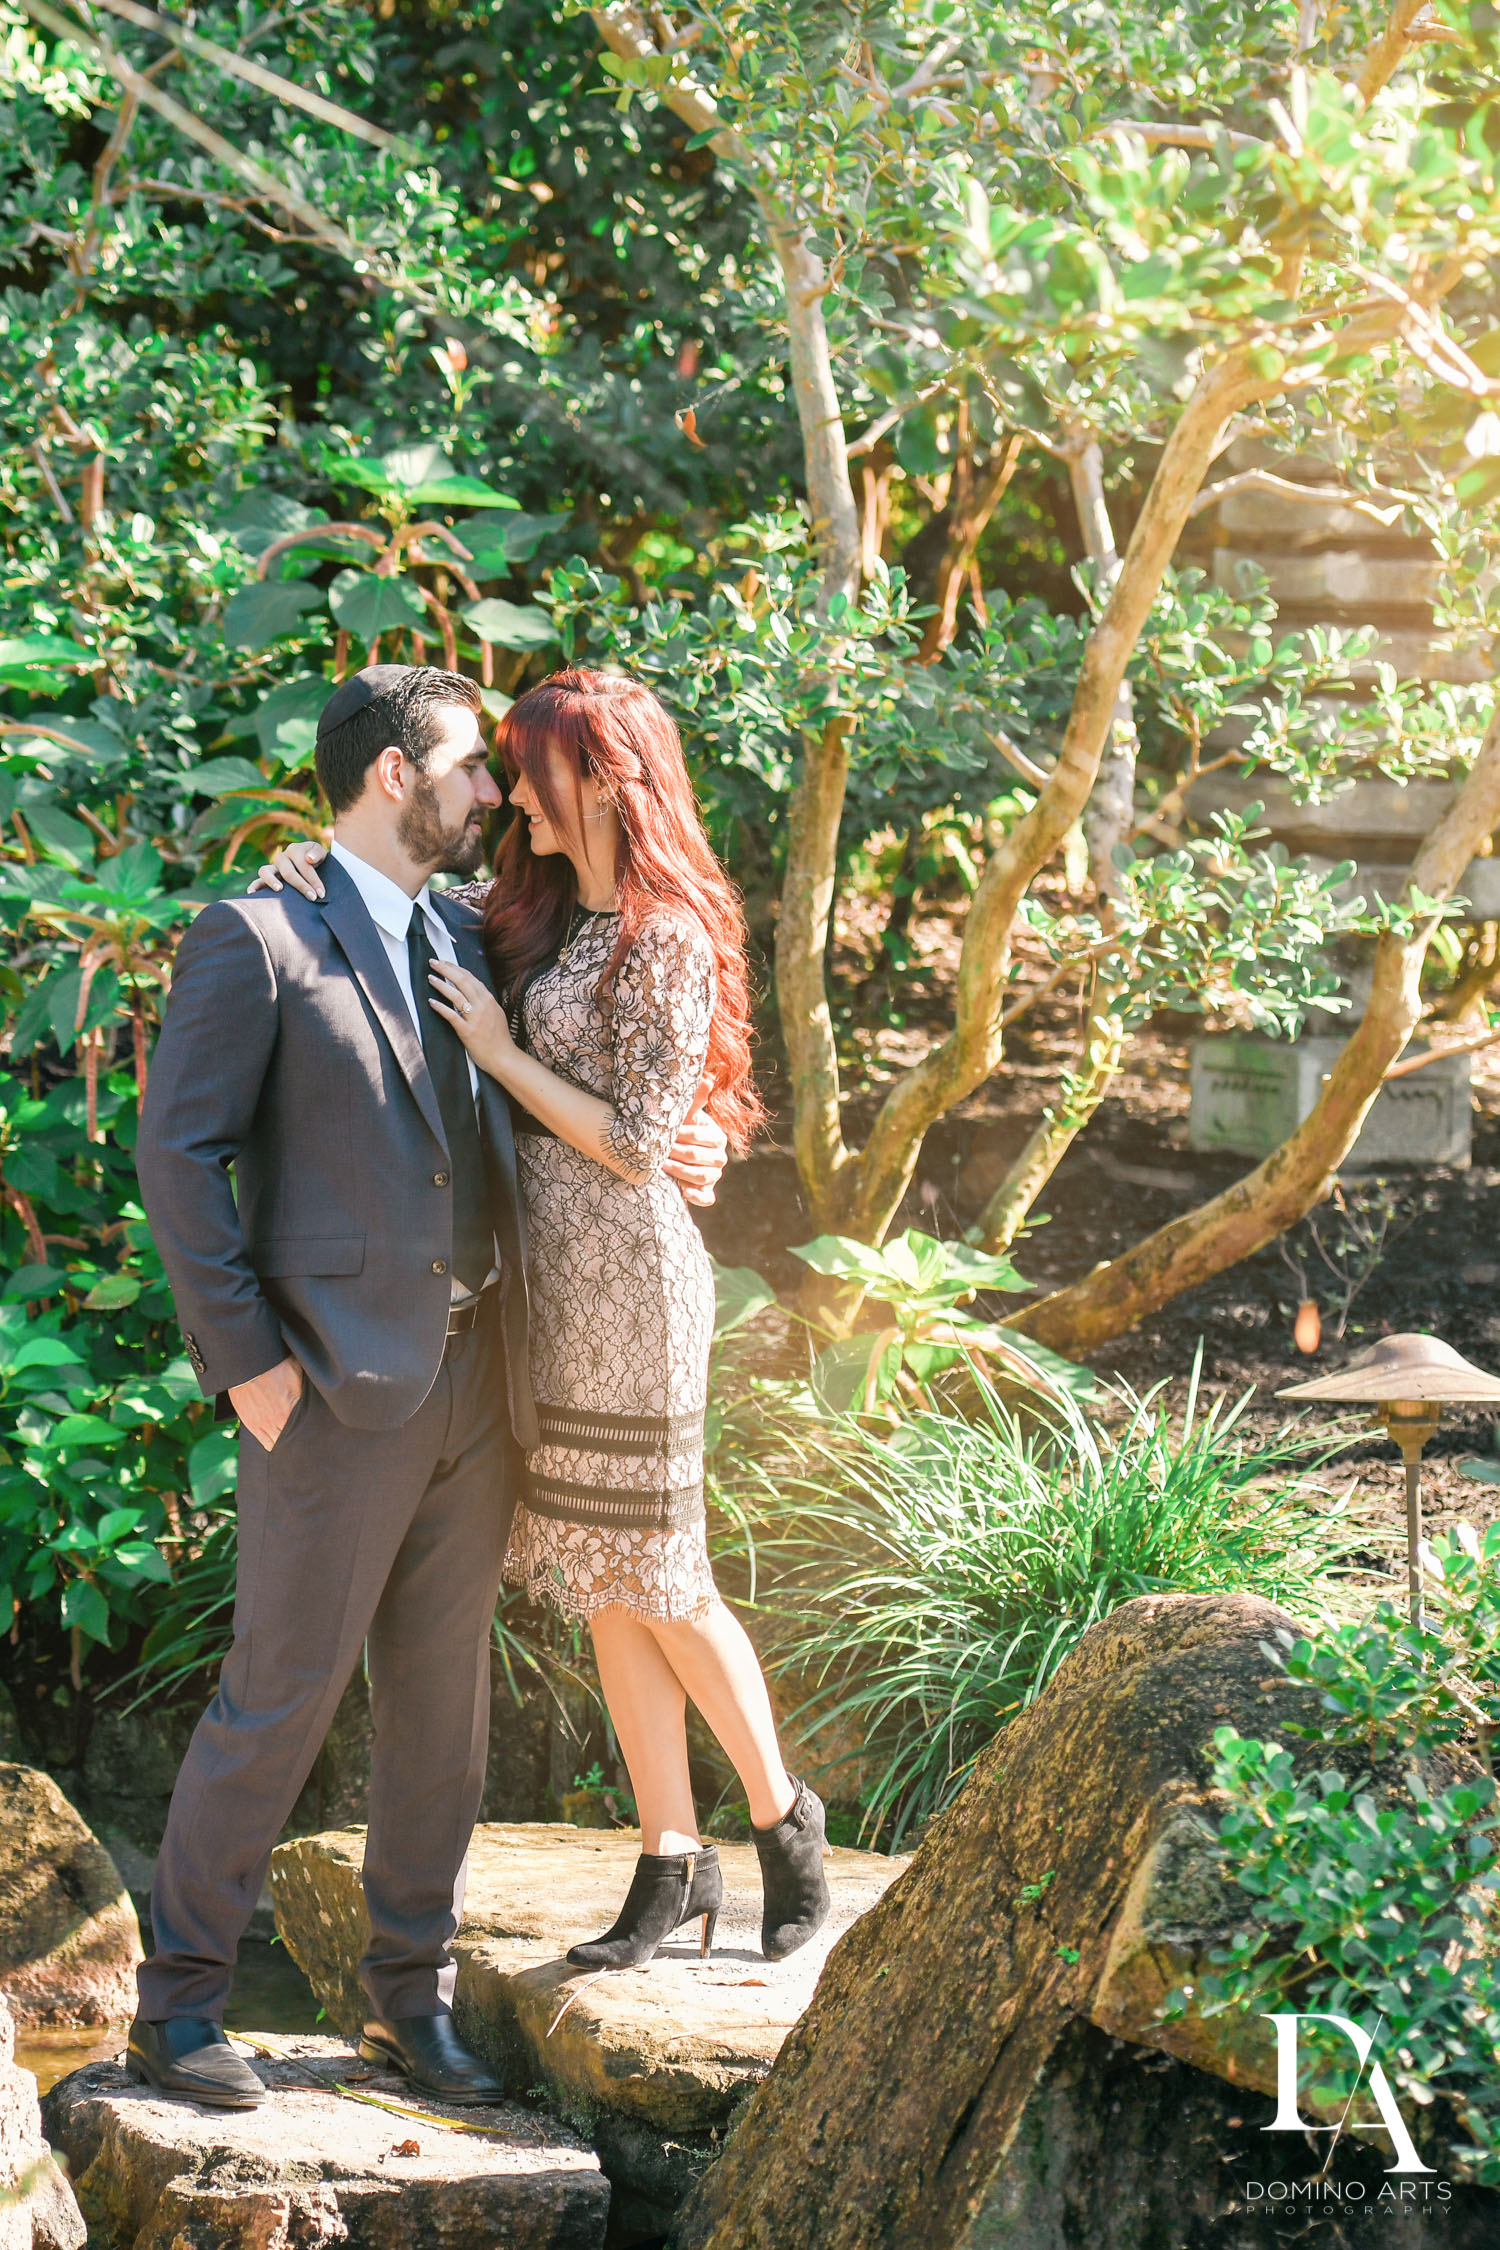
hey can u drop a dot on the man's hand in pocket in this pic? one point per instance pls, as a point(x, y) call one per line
point(265, 1403)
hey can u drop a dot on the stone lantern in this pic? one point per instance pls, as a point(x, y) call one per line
point(1408, 1380)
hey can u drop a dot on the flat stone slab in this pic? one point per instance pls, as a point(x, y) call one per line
point(652, 2062)
point(313, 2166)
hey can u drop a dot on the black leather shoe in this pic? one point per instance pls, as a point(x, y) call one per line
point(666, 1890)
point(793, 1884)
point(430, 2055)
point(190, 2058)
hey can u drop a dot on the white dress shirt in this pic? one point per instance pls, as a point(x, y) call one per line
point(391, 909)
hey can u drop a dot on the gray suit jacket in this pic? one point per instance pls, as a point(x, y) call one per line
point(288, 1053)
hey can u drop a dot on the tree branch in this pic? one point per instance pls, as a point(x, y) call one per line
point(255, 74)
point(817, 801)
point(971, 1051)
point(265, 184)
point(1317, 495)
point(1389, 50)
point(626, 32)
point(1278, 1192)
point(1210, 137)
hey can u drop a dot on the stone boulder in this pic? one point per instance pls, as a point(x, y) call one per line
point(982, 2062)
point(374, 2168)
point(69, 1939)
point(37, 2209)
point(650, 2063)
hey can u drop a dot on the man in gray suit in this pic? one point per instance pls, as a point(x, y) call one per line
point(359, 1298)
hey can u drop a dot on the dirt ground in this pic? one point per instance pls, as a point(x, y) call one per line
point(1131, 1172)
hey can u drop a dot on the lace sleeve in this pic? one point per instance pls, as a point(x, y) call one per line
point(663, 1003)
point(470, 894)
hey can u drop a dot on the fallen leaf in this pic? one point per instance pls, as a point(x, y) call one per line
point(407, 2148)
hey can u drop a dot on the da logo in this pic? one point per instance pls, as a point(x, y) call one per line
point(1288, 2118)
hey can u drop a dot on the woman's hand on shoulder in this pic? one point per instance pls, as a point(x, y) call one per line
point(294, 864)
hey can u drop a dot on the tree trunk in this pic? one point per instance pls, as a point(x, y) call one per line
point(873, 1183)
point(1285, 1187)
point(973, 500)
point(1078, 1097)
point(1110, 817)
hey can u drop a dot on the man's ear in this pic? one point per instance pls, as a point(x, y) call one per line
point(389, 774)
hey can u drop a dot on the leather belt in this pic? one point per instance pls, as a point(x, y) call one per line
point(461, 1318)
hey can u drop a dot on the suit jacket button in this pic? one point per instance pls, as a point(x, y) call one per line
point(440, 1265)
point(440, 1179)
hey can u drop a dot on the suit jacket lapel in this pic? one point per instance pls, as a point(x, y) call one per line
point(346, 915)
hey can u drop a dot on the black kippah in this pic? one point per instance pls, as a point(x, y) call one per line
point(363, 688)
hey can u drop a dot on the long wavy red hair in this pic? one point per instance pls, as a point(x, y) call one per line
point(614, 731)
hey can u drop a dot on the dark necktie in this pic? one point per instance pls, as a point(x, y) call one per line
point(473, 1235)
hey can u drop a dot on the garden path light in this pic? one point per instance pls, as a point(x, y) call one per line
point(1408, 1380)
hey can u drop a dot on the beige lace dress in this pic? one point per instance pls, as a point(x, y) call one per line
point(622, 1295)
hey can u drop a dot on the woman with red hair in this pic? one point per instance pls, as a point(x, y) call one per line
point(618, 943)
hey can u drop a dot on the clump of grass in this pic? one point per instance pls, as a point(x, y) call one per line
point(925, 1582)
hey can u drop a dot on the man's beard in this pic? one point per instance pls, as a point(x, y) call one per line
point(448, 851)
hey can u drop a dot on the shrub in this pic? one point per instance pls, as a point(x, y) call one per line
point(928, 1581)
point(1370, 1883)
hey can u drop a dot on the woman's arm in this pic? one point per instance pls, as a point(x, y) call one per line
point(663, 1002)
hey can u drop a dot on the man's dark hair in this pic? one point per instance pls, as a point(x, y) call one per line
point(384, 706)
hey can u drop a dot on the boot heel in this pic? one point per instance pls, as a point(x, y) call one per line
point(706, 1935)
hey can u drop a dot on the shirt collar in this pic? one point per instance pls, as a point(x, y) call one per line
point(388, 906)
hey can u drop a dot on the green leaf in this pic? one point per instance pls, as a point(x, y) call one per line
point(59, 834)
point(1021, 1355)
point(41, 1351)
point(367, 606)
point(114, 1524)
point(844, 1259)
point(519, 540)
point(739, 1295)
point(86, 736)
point(28, 1283)
point(460, 492)
point(211, 1466)
point(261, 518)
point(133, 874)
point(841, 1372)
point(84, 1606)
point(979, 1270)
point(928, 1259)
point(366, 476)
point(115, 1290)
point(85, 1429)
point(220, 775)
point(286, 721)
point(406, 466)
point(143, 1560)
point(507, 626)
point(45, 650)
point(265, 609)
point(62, 995)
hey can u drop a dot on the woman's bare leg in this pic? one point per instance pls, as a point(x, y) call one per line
point(648, 1710)
point(647, 1669)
